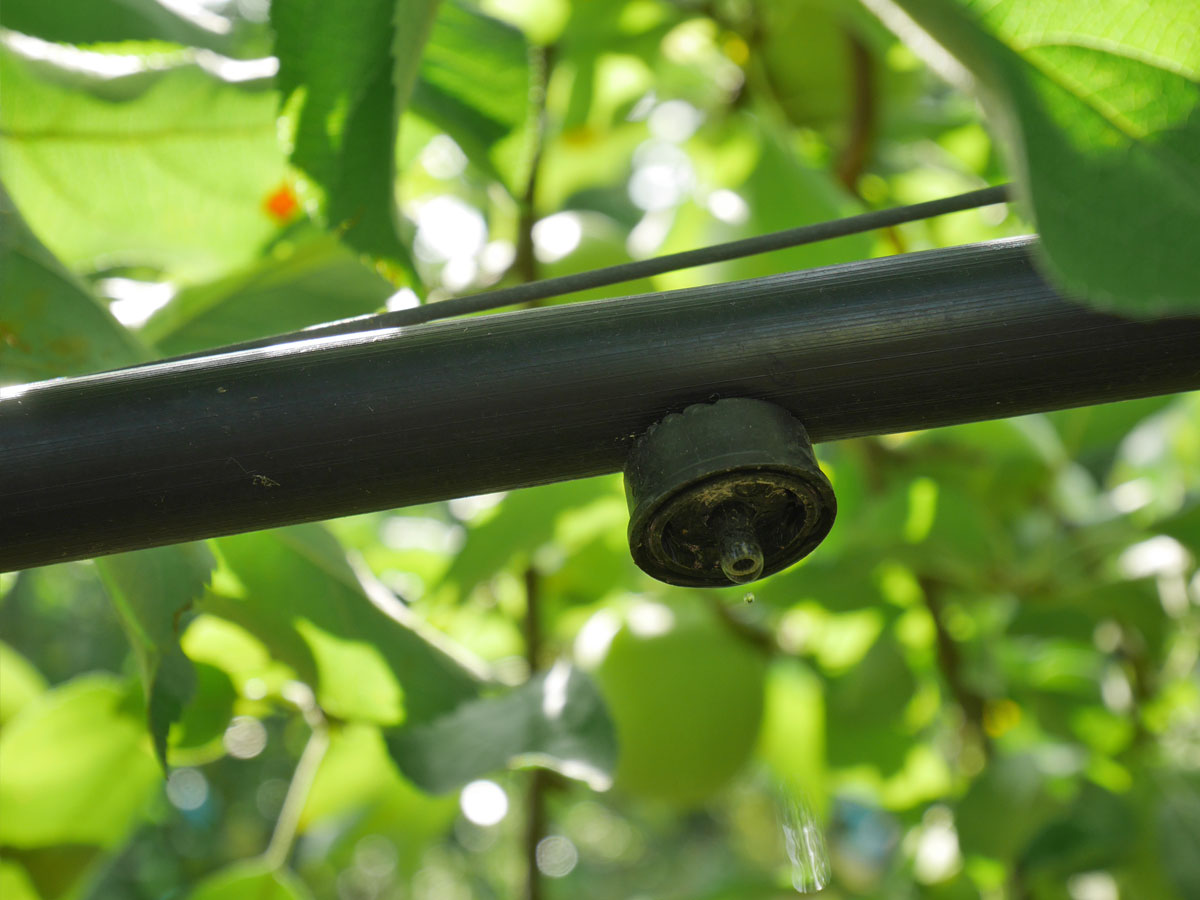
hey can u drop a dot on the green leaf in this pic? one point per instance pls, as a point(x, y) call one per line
point(346, 75)
point(106, 21)
point(151, 590)
point(556, 720)
point(864, 709)
point(474, 83)
point(298, 286)
point(77, 765)
point(358, 781)
point(58, 328)
point(204, 719)
point(166, 168)
point(524, 522)
point(20, 683)
point(1003, 806)
point(810, 83)
point(219, 643)
point(366, 654)
point(15, 883)
point(58, 873)
point(792, 739)
point(1100, 108)
point(49, 322)
point(251, 881)
point(1093, 834)
point(359, 791)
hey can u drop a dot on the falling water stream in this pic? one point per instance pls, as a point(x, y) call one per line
point(805, 843)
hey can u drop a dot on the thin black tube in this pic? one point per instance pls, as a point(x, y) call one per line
point(532, 291)
point(186, 450)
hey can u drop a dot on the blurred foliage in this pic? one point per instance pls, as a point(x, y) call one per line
point(986, 680)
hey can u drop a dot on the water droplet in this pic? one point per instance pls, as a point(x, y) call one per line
point(805, 843)
point(748, 598)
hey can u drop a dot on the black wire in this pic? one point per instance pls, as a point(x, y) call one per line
point(630, 271)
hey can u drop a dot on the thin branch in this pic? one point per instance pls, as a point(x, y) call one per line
point(532, 624)
point(861, 132)
point(861, 125)
point(526, 268)
point(283, 838)
point(525, 264)
point(950, 663)
point(535, 828)
point(535, 798)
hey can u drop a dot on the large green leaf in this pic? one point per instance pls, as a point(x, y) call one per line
point(49, 323)
point(366, 654)
point(1100, 107)
point(302, 285)
point(77, 766)
point(251, 881)
point(474, 83)
point(347, 73)
point(101, 21)
point(167, 168)
point(151, 590)
point(556, 720)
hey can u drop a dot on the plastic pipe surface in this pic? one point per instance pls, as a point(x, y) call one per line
point(311, 430)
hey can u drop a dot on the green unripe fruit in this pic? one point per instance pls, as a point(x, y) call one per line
point(685, 694)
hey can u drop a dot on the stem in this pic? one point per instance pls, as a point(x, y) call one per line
point(535, 827)
point(861, 125)
point(950, 662)
point(284, 836)
point(535, 798)
point(860, 140)
point(525, 264)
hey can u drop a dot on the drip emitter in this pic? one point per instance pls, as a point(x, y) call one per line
point(725, 493)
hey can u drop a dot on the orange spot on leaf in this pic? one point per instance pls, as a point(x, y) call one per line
point(281, 204)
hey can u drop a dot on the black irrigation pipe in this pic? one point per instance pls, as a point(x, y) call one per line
point(183, 450)
point(532, 291)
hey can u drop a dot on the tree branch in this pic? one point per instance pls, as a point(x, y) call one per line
point(950, 663)
point(861, 125)
point(525, 264)
point(535, 798)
